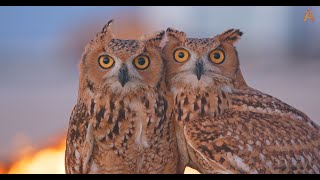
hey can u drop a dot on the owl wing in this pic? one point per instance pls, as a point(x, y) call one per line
point(79, 144)
point(254, 141)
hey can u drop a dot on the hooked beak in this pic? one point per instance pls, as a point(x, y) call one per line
point(198, 70)
point(123, 75)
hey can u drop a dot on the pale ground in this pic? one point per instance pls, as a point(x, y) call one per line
point(189, 170)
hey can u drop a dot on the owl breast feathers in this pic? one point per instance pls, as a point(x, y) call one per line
point(121, 122)
point(225, 126)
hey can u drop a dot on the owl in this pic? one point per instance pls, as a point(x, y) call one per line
point(121, 121)
point(225, 126)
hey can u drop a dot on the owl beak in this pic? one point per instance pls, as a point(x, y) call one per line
point(198, 71)
point(123, 75)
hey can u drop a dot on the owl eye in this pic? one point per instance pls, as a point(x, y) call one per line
point(106, 61)
point(141, 62)
point(181, 55)
point(217, 56)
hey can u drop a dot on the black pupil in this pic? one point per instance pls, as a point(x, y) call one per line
point(141, 61)
point(216, 55)
point(181, 54)
point(106, 60)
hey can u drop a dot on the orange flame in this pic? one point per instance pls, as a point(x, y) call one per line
point(2, 169)
point(49, 160)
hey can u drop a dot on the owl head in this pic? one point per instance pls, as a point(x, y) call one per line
point(119, 66)
point(202, 63)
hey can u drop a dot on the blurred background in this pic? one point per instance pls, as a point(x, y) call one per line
point(40, 48)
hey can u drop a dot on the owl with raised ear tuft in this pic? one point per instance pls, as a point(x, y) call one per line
point(225, 126)
point(121, 121)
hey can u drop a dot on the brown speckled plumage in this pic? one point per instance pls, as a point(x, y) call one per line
point(225, 126)
point(126, 129)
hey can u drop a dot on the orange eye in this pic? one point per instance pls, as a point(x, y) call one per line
point(141, 62)
point(106, 61)
point(217, 56)
point(181, 55)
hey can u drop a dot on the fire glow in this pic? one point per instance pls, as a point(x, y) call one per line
point(48, 160)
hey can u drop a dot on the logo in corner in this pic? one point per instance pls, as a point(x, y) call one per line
point(308, 16)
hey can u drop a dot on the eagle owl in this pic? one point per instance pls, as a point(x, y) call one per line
point(225, 126)
point(120, 123)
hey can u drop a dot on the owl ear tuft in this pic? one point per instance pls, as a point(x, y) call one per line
point(174, 34)
point(231, 36)
point(106, 32)
point(153, 39)
point(107, 27)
